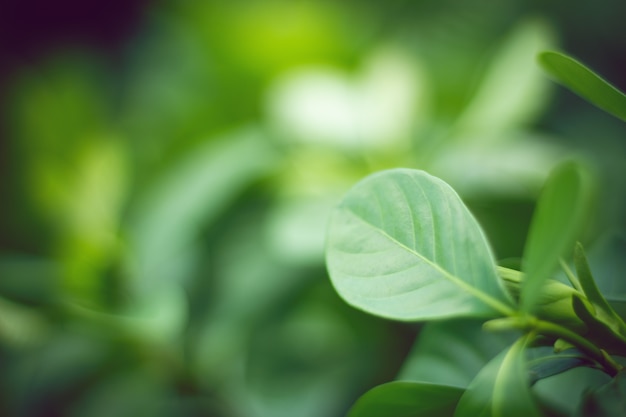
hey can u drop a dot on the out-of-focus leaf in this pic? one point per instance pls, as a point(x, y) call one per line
point(309, 360)
point(376, 109)
point(72, 165)
point(57, 106)
point(452, 352)
point(95, 194)
point(606, 401)
point(407, 399)
point(64, 364)
point(29, 280)
point(516, 168)
point(264, 39)
point(296, 230)
point(584, 82)
point(21, 326)
point(403, 245)
point(608, 261)
point(560, 214)
point(126, 394)
point(239, 295)
point(562, 392)
point(501, 389)
point(604, 310)
point(513, 91)
point(158, 316)
point(168, 216)
point(544, 362)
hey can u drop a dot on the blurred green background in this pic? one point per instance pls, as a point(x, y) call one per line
point(167, 169)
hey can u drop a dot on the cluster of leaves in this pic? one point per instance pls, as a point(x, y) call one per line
point(162, 252)
point(402, 245)
point(163, 237)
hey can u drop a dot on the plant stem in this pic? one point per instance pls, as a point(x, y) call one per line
point(531, 324)
point(550, 329)
point(573, 279)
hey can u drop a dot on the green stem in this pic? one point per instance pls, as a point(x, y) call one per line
point(532, 324)
point(551, 329)
point(573, 279)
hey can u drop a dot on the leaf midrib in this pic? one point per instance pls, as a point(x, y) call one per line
point(482, 296)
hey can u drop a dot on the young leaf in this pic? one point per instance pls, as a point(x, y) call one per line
point(600, 331)
point(407, 399)
point(584, 82)
point(501, 389)
point(608, 261)
point(604, 310)
point(402, 245)
point(559, 215)
point(554, 303)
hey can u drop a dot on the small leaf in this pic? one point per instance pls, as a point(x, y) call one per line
point(403, 245)
point(407, 399)
point(604, 310)
point(554, 303)
point(501, 389)
point(560, 213)
point(584, 82)
point(599, 331)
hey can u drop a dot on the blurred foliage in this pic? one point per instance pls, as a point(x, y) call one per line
point(164, 217)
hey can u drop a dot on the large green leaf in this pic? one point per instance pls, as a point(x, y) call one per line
point(558, 218)
point(407, 399)
point(501, 389)
point(584, 82)
point(403, 245)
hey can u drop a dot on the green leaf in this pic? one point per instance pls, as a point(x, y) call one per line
point(501, 389)
point(546, 362)
point(554, 303)
point(402, 245)
point(407, 399)
point(584, 82)
point(604, 311)
point(452, 352)
point(168, 216)
point(560, 394)
point(560, 213)
point(513, 91)
point(600, 332)
point(608, 260)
